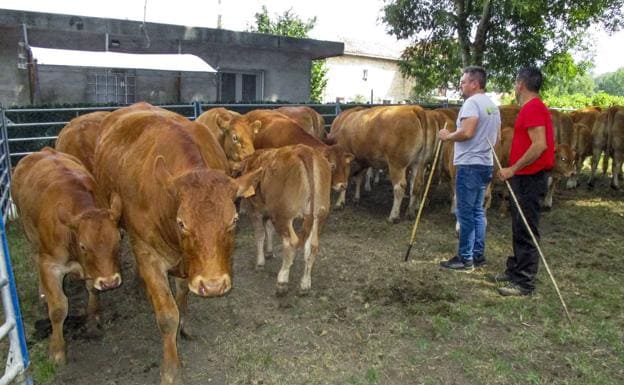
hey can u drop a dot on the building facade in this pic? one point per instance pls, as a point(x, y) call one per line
point(368, 72)
point(250, 66)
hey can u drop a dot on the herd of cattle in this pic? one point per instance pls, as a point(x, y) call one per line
point(172, 185)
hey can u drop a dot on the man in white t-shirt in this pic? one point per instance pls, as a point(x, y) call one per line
point(478, 119)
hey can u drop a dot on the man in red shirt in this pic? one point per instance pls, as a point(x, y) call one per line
point(532, 154)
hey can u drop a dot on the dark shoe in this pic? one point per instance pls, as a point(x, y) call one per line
point(457, 264)
point(498, 278)
point(479, 261)
point(514, 290)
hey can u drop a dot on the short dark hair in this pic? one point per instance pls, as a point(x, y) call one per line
point(532, 78)
point(476, 73)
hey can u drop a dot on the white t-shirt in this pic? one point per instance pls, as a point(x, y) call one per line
point(477, 150)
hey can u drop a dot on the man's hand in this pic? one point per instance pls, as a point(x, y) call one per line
point(505, 173)
point(444, 134)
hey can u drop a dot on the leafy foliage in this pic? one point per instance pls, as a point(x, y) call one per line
point(500, 35)
point(612, 82)
point(289, 24)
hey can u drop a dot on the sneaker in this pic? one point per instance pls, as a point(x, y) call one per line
point(513, 289)
point(457, 264)
point(498, 278)
point(479, 261)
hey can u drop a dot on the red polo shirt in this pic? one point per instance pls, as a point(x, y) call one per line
point(533, 114)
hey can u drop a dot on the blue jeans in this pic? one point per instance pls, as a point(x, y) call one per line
point(470, 184)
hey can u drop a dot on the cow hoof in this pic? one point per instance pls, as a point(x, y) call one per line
point(259, 267)
point(58, 358)
point(545, 208)
point(92, 331)
point(356, 201)
point(186, 334)
point(339, 206)
point(281, 289)
point(614, 187)
point(268, 255)
point(303, 292)
point(394, 221)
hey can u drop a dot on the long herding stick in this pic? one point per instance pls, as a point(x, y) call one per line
point(526, 223)
point(424, 198)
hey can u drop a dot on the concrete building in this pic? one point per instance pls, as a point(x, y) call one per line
point(368, 71)
point(250, 66)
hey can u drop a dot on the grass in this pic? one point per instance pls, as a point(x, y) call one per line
point(372, 319)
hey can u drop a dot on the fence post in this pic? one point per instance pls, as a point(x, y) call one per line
point(197, 110)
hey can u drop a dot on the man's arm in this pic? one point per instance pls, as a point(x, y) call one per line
point(537, 147)
point(467, 131)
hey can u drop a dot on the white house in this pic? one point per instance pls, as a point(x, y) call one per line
point(368, 71)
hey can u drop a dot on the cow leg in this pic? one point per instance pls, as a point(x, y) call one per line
point(52, 288)
point(289, 247)
point(367, 180)
point(93, 309)
point(165, 309)
point(181, 297)
point(270, 230)
point(377, 176)
point(358, 184)
point(397, 176)
point(548, 200)
point(310, 251)
point(594, 166)
point(416, 186)
point(260, 236)
point(616, 170)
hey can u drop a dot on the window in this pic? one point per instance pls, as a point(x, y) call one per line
point(112, 86)
point(240, 86)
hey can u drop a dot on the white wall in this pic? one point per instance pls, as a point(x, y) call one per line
point(345, 80)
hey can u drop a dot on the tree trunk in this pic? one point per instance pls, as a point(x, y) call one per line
point(481, 34)
point(463, 32)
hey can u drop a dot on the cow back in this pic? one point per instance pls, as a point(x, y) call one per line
point(310, 120)
point(80, 135)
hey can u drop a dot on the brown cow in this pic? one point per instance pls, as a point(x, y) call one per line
point(582, 146)
point(295, 184)
point(79, 137)
point(278, 130)
point(179, 213)
point(311, 121)
point(607, 133)
point(389, 135)
point(234, 132)
point(616, 143)
point(509, 113)
point(70, 232)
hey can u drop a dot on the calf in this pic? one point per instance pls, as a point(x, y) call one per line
point(278, 130)
point(234, 132)
point(70, 231)
point(295, 183)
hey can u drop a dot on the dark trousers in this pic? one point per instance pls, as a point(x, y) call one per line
point(522, 265)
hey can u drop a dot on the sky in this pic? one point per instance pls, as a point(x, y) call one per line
point(336, 19)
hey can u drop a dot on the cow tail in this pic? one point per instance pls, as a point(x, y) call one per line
point(308, 220)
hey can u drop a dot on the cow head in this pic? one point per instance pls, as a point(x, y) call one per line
point(204, 222)
point(96, 233)
point(564, 160)
point(238, 136)
point(340, 163)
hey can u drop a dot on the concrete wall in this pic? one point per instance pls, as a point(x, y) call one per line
point(284, 63)
point(345, 74)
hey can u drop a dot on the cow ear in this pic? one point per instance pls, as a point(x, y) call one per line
point(255, 126)
point(349, 157)
point(223, 123)
point(163, 176)
point(115, 207)
point(247, 183)
point(65, 217)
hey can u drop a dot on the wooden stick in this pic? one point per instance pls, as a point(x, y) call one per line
point(526, 224)
point(424, 198)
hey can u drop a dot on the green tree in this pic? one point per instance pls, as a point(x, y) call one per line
point(612, 83)
point(501, 35)
point(289, 24)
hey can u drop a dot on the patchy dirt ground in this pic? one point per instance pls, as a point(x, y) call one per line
point(373, 319)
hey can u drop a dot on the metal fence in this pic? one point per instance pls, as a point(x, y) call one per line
point(13, 327)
